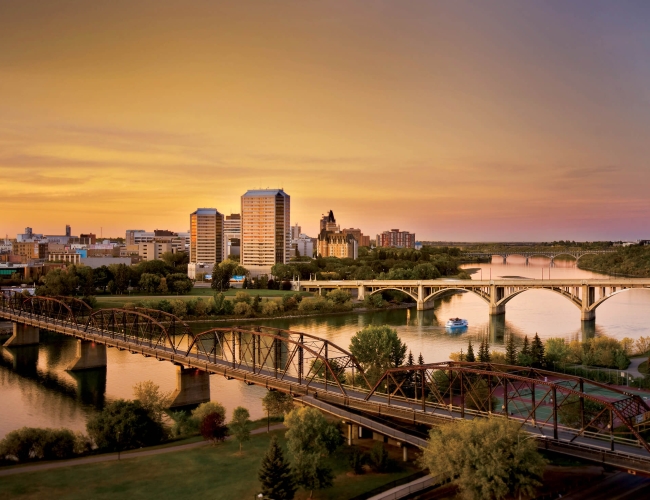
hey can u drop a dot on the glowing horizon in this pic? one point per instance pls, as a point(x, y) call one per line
point(458, 121)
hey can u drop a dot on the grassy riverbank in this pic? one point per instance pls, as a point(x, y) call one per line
point(632, 261)
point(216, 472)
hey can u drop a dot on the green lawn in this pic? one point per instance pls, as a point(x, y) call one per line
point(215, 472)
point(108, 301)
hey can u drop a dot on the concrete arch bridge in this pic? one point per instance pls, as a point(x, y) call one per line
point(586, 295)
point(504, 254)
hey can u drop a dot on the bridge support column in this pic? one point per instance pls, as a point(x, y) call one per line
point(23, 335)
point(420, 300)
point(89, 355)
point(588, 315)
point(361, 294)
point(497, 310)
point(405, 453)
point(192, 387)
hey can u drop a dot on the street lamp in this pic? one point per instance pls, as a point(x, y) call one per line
point(118, 445)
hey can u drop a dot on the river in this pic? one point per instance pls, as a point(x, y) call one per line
point(35, 389)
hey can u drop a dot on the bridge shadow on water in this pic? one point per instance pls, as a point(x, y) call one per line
point(87, 387)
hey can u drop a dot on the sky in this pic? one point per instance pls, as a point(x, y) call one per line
point(507, 120)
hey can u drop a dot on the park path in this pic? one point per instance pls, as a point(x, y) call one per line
point(111, 457)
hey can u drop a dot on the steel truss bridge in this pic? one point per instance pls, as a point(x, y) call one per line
point(549, 254)
point(565, 413)
point(586, 295)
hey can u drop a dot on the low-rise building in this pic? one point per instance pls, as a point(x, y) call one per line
point(362, 240)
point(396, 238)
point(67, 257)
point(332, 242)
point(30, 249)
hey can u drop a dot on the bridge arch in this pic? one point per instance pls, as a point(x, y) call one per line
point(383, 289)
point(49, 306)
point(444, 291)
point(603, 299)
point(556, 290)
point(132, 326)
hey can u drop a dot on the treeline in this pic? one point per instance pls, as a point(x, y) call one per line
point(246, 305)
point(378, 263)
point(155, 276)
point(557, 353)
point(629, 261)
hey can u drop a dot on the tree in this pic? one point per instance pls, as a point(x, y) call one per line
point(149, 282)
point(239, 425)
point(484, 351)
point(213, 427)
point(537, 352)
point(200, 412)
point(121, 277)
point(524, 358)
point(310, 439)
point(59, 282)
point(470, 352)
point(124, 425)
point(152, 398)
point(277, 403)
point(29, 443)
point(511, 350)
point(275, 474)
point(486, 458)
point(179, 283)
point(377, 348)
point(557, 351)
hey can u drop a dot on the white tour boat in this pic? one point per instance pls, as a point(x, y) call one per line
point(456, 323)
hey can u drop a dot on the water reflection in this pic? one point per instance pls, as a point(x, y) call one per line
point(36, 390)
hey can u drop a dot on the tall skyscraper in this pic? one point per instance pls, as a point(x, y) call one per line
point(231, 235)
point(266, 229)
point(206, 236)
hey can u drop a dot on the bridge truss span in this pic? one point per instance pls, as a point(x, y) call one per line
point(549, 404)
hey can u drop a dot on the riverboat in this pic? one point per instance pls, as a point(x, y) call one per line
point(456, 323)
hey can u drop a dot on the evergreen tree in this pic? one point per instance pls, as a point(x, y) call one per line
point(420, 359)
point(410, 362)
point(470, 352)
point(537, 352)
point(511, 351)
point(524, 358)
point(484, 351)
point(275, 474)
point(462, 355)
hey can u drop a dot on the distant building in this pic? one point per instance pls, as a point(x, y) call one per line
point(67, 257)
point(68, 230)
point(265, 229)
point(363, 241)
point(334, 243)
point(232, 235)
point(206, 236)
point(396, 238)
point(29, 250)
point(154, 250)
point(136, 236)
point(96, 262)
point(303, 246)
point(296, 231)
point(88, 239)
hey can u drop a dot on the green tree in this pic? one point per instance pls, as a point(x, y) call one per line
point(377, 348)
point(152, 398)
point(30, 443)
point(124, 425)
point(557, 351)
point(179, 283)
point(121, 277)
point(525, 358)
point(537, 352)
point(277, 403)
point(204, 409)
point(275, 474)
point(310, 439)
point(470, 352)
point(149, 282)
point(569, 413)
point(59, 282)
point(486, 458)
point(239, 425)
point(484, 351)
point(511, 350)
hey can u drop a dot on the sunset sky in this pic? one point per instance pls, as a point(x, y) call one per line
point(458, 120)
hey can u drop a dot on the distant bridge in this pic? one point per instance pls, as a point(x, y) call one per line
point(550, 254)
point(586, 295)
point(324, 375)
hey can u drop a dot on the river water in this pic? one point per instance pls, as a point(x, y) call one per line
point(35, 389)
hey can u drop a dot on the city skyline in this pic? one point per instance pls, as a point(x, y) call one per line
point(456, 121)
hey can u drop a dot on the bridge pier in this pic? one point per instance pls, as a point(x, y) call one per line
point(23, 335)
point(496, 328)
point(192, 387)
point(361, 294)
point(497, 310)
point(89, 355)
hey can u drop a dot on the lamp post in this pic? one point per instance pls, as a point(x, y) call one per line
point(118, 445)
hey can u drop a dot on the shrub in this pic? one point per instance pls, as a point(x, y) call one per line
point(339, 296)
point(204, 409)
point(375, 301)
point(201, 307)
point(379, 458)
point(30, 443)
point(243, 309)
point(270, 307)
point(242, 297)
point(179, 308)
point(357, 459)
